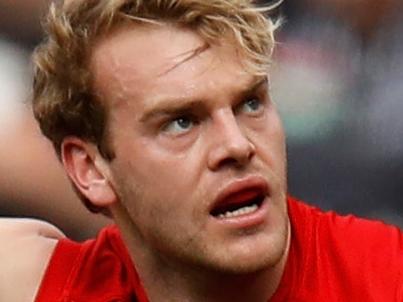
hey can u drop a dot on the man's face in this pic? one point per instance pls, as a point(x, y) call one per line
point(200, 152)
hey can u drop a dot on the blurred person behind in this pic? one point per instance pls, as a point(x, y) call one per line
point(32, 183)
point(342, 111)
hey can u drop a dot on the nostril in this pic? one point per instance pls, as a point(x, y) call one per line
point(238, 158)
point(234, 153)
point(229, 162)
point(230, 146)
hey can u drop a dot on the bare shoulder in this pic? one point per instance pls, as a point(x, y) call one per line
point(26, 246)
point(10, 227)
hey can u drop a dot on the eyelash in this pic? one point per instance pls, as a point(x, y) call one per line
point(195, 121)
point(170, 123)
point(259, 101)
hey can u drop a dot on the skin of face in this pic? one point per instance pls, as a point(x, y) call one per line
point(184, 126)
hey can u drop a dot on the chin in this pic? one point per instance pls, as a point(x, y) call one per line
point(251, 257)
point(246, 267)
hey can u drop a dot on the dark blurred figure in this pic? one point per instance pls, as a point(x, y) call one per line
point(338, 81)
point(32, 182)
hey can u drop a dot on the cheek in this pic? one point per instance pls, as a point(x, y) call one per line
point(156, 174)
point(149, 197)
point(159, 199)
point(269, 139)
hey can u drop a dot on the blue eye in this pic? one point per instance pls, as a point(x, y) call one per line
point(179, 125)
point(251, 105)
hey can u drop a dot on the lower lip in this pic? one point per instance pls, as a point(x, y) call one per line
point(245, 221)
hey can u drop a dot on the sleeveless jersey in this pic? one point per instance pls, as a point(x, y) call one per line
point(331, 258)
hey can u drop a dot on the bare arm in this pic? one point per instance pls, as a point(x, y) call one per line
point(26, 246)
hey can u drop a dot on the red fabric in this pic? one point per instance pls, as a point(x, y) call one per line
point(97, 271)
point(332, 258)
point(341, 258)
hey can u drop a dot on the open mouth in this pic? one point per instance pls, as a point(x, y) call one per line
point(239, 204)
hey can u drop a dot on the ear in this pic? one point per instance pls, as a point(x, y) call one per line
point(89, 171)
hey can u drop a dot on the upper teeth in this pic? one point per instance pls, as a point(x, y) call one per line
point(238, 212)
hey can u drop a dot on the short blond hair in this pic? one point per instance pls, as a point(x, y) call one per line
point(63, 101)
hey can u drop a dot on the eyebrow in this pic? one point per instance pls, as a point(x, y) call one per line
point(171, 106)
point(256, 85)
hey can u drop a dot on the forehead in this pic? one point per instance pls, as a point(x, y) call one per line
point(138, 61)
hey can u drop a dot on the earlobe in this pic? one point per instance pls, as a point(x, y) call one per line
point(85, 167)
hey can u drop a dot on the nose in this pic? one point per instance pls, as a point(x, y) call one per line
point(230, 146)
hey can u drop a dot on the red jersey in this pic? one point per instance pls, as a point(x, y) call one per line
point(341, 258)
point(98, 270)
point(332, 258)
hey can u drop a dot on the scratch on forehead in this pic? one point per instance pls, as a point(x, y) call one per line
point(187, 56)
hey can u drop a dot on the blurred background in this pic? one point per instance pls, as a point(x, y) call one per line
point(32, 182)
point(337, 80)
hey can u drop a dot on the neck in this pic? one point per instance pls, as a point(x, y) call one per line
point(167, 279)
point(195, 284)
point(209, 287)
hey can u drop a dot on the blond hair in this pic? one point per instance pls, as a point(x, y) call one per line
point(63, 101)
